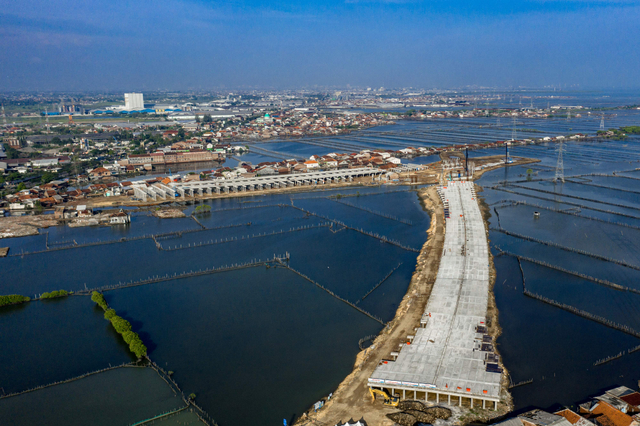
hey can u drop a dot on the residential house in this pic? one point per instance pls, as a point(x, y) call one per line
point(542, 418)
point(120, 218)
point(604, 414)
point(574, 418)
point(99, 172)
point(83, 211)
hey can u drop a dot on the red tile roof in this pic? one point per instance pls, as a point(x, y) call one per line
point(632, 399)
point(572, 417)
point(607, 415)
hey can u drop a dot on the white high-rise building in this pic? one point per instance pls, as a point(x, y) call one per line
point(133, 101)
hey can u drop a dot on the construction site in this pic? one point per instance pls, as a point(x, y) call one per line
point(450, 357)
point(440, 348)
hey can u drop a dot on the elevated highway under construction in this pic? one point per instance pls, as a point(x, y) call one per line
point(451, 358)
point(159, 190)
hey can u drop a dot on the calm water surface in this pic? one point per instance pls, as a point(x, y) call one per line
point(261, 345)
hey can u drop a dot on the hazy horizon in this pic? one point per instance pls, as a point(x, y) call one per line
point(201, 45)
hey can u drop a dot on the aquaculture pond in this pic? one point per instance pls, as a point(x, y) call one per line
point(258, 306)
point(124, 395)
point(273, 337)
point(573, 246)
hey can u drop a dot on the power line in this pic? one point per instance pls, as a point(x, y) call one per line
point(560, 165)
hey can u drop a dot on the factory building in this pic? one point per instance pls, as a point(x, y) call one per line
point(133, 101)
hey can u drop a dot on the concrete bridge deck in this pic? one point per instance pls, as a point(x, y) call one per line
point(451, 357)
point(251, 184)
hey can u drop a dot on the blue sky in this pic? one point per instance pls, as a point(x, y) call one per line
point(198, 44)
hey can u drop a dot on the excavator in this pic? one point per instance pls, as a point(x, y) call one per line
point(388, 400)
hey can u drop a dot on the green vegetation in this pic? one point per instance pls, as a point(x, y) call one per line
point(38, 208)
point(11, 152)
point(98, 298)
point(54, 294)
point(121, 325)
point(48, 177)
point(203, 209)
point(13, 299)
point(615, 134)
point(631, 130)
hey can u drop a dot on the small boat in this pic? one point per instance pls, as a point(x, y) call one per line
point(536, 215)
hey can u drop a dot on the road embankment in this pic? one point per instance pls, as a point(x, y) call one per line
point(352, 399)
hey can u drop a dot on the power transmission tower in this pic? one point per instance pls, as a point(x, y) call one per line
point(498, 123)
point(602, 123)
point(4, 116)
point(568, 114)
point(46, 117)
point(560, 166)
point(513, 131)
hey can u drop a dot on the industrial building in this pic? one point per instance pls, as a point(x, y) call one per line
point(133, 101)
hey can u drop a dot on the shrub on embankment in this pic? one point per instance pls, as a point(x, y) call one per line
point(99, 299)
point(203, 209)
point(54, 294)
point(121, 325)
point(634, 130)
point(13, 299)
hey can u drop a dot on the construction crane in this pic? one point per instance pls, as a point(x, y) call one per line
point(388, 400)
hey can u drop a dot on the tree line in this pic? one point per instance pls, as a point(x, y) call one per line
point(54, 294)
point(13, 299)
point(121, 325)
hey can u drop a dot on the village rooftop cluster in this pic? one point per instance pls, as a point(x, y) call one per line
point(615, 407)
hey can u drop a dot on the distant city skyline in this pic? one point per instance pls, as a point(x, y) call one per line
point(201, 45)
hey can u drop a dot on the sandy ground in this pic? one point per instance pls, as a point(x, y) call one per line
point(169, 213)
point(21, 226)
